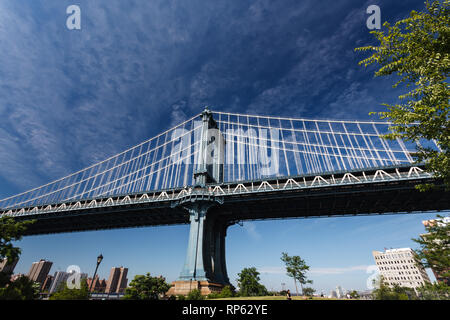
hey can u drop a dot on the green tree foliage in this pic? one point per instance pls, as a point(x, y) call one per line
point(309, 291)
point(354, 294)
point(296, 268)
point(226, 292)
point(435, 291)
point(384, 292)
point(11, 230)
point(417, 50)
point(21, 289)
point(248, 283)
point(146, 288)
point(195, 295)
point(64, 293)
point(434, 249)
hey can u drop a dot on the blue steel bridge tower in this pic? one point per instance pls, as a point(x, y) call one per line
point(205, 266)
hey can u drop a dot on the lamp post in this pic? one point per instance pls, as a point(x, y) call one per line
point(99, 260)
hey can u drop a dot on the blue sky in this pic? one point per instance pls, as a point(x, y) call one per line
point(69, 98)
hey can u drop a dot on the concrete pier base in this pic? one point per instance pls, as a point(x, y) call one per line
point(182, 287)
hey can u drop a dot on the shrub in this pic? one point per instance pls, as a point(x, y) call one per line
point(213, 295)
point(195, 295)
point(226, 292)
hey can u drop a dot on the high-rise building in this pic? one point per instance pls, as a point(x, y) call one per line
point(39, 270)
point(117, 281)
point(340, 292)
point(60, 278)
point(47, 283)
point(8, 267)
point(400, 267)
point(98, 285)
point(333, 294)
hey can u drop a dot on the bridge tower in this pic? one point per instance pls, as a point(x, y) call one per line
point(205, 266)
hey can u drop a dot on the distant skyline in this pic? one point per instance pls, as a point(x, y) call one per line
point(70, 98)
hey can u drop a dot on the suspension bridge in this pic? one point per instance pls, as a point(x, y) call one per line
point(217, 169)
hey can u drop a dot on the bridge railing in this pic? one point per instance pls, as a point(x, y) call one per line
point(231, 189)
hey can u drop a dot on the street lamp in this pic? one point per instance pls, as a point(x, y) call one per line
point(99, 260)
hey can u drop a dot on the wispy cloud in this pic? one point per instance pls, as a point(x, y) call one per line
point(315, 270)
point(250, 228)
point(338, 270)
point(272, 270)
point(72, 98)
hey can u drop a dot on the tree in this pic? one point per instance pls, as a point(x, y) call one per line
point(72, 294)
point(434, 291)
point(384, 292)
point(434, 249)
point(226, 292)
point(248, 283)
point(417, 50)
point(146, 288)
point(195, 295)
point(20, 289)
point(354, 294)
point(308, 291)
point(11, 230)
point(296, 268)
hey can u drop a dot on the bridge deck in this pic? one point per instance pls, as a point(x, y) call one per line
point(386, 190)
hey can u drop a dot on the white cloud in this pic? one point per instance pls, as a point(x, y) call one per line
point(272, 270)
point(338, 270)
point(314, 270)
point(250, 227)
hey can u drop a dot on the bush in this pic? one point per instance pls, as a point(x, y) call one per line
point(181, 297)
point(226, 292)
point(385, 292)
point(195, 295)
point(213, 295)
point(21, 289)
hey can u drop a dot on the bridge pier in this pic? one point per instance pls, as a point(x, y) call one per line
point(205, 265)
